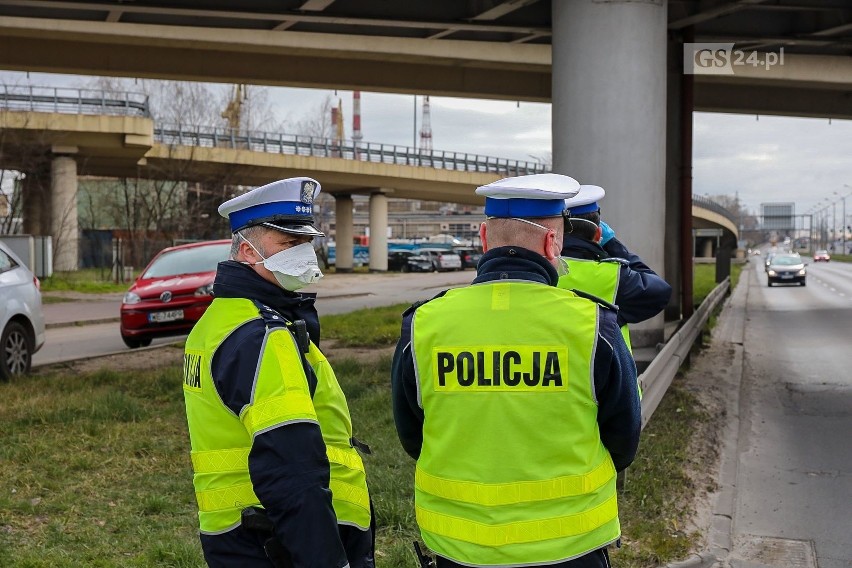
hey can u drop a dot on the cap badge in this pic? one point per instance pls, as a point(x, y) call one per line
point(308, 188)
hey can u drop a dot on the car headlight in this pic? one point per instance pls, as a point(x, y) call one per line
point(802, 272)
point(206, 290)
point(131, 298)
point(772, 273)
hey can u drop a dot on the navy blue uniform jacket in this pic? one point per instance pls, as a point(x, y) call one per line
point(641, 294)
point(288, 465)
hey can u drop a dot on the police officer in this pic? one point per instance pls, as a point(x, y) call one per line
point(268, 423)
point(517, 398)
point(599, 264)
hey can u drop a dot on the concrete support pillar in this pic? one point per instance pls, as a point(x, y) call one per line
point(676, 171)
point(707, 248)
point(63, 201)
point(35, 205)
point(344, 245)
point(378, 232)
point(609, 119)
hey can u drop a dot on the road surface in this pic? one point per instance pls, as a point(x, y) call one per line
point(794, 482)
point(339, 294)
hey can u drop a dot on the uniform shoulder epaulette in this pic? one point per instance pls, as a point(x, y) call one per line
point(595, 299)
point(419, 303)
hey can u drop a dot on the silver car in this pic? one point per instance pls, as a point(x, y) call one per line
point(21, 317)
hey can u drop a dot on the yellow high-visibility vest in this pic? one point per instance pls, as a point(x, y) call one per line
point(221, 440)
point(512, 468)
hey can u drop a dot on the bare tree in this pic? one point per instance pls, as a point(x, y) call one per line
point(317, 123)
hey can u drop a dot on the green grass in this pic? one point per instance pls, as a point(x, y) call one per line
point(89, 280)
point(96, 472)
point(841, 257)
point(704, 280)
point(374, 327)
point(655, 504)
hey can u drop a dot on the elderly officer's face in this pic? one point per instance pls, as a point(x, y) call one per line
point(269, 243)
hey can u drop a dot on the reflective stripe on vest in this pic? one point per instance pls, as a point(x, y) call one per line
point(221, 441)
point(598, 278)
point(512, 468)
point(520, 532)
point(493, 494)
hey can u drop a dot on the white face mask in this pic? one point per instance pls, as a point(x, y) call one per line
point(294, 268)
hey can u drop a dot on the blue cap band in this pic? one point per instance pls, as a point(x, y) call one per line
point(523, 207)
point(256, 214)
point(587, 208)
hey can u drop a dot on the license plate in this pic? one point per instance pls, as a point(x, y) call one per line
point(786, 276)
point(160, 317)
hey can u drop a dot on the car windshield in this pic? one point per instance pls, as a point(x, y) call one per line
point(822, 252)
point(787, 260)
point(188, 261)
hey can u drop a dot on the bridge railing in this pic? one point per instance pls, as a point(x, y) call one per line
point(73, 101)
point(711, 205)
point(300, 145)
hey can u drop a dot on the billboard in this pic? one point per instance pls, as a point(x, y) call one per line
point(778, 216)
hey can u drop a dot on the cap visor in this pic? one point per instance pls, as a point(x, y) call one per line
point(295, 228)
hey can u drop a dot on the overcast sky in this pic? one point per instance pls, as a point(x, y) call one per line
point(762, 158)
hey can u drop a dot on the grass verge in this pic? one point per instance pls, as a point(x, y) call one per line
point(97, 472)
point(89, 280)
point(704, 280)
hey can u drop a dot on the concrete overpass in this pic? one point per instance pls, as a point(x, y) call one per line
point(54, 134)
point(614, 71)
point(64, 127)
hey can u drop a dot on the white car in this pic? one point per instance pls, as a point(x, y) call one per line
point(21, 317)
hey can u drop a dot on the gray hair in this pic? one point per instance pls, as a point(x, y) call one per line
point(250, 234)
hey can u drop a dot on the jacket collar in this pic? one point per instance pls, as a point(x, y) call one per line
point(573, 247)
point(236, 280)
point(515, 263)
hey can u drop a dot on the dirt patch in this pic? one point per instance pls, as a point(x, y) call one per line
point(707, 379)
point(143, 359)
point(135, 360)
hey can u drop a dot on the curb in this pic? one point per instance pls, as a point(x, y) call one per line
point(720, 538)
point(80, 323)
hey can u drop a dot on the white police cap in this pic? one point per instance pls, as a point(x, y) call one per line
point(537, 195)
point(585, 201)
point(286, 205)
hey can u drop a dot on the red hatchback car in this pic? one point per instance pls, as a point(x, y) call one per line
point(172, 292)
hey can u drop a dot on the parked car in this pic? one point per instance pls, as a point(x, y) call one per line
point(469, 256)
point(398, 258)
point(21, 317)
point(172, 292)
point(441, 259)
point(822, 256)
point(786, 269)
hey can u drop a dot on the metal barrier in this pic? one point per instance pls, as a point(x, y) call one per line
point(74, 101)
point(657, 378)
point(298, 145)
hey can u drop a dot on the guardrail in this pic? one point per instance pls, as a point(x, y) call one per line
point(657, 378)
point(299, 145)
point(74, 101)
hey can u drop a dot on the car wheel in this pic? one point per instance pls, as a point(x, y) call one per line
point(134, 343)
point(802, 283)
point(769, 283)
point(405, 268)
point(16, 351)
